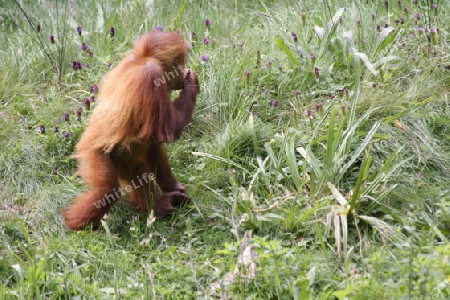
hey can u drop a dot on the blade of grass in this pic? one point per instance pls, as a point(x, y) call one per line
point(352, 157)
point(330, 30)
point(221, 159)
point(385, 38)
point(362, 177)
point(291, 162)
point(279, 41)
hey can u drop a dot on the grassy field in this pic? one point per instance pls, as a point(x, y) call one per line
point(318, 158)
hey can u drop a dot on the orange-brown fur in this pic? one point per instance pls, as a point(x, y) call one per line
point(132, 119)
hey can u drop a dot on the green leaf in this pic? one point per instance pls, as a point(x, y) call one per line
point(362, 177)
point(343, 293)
point(306, 214)
point(279, 41)
point(291, 162)
point(356, 154)
point(311, 159)
point(386, 37)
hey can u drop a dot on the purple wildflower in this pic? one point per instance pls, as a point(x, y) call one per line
point(79, 30)
point(83, 47)
point(268, 64)
point(42, 129)
point(435, 6)
point(312, 56)
point(52, 39)
point(159, 28)
point(58, 121)
point(247, 77)
point(204, 57)
point(87, 104)
point(296, 92)
point(274, 102)
point(94, 88)
point(316, 72)
point(66, 117)
point(66, 134)
point(418, 16)
point(112, 31)
point(76, 65)
point(294, 36)
point(205, 41)
point(194, 36)
point(319, 107)
point(208, 24)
